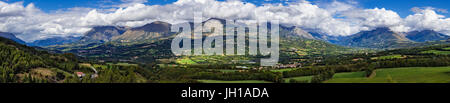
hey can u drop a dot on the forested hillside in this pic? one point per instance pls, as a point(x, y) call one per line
point(20, 59)
point(23, 64)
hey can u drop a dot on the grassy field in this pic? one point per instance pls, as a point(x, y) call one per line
point(185, 61)
point(391, 75)
point(303, 78)
point(224, 70)
point(436, 52)
point(240, 81)
point(388, 75)
point(388, 57)
point(448, 48)
point(122, 64)
point(397, 75)
point(188, 60)
point(337, 75)
point(282, 70)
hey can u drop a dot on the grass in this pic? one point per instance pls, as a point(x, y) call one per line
point(123, 64)
point(224, 70)
point(448, 48)
point(437, 52)
point(388, 75)
point(350, 75)
point(283, 70)
point(337, 75)
point(302, 78)
point(398, 75)
point(391, 75)
point(227, 70)
point(43, 72)
point(215, 59)
point(239, 81)
point(186, 61)
point(388, 57)
point(126, 64)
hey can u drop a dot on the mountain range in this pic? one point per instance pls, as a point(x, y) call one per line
point(153, 31)
point(426, 35)
point(11, 36)
point(384, 38)
point(380, 38)
point(102, 34)
point(153, 41)
point(54, 41)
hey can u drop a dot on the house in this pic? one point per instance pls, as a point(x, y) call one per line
point(80, 74)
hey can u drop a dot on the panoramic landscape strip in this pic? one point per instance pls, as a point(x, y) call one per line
point(224, 41)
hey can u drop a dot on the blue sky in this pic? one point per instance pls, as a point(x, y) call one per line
point(402, 7)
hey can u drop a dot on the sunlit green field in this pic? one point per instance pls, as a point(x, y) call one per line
point(448, 48)
point(388, 57)
point(303, 78)
point(240, 81)
point(337, 75)
point(185, 61)
point(397, 75)
point(388, 75)
point(282, 70)
point(436, 52)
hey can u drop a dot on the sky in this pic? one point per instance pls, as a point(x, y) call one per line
point(38, 19)
point(402, 7)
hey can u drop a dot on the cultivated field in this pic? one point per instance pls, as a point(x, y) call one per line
point(240, 81)
point(397, 75)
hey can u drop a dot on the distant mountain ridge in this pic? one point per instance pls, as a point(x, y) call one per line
point(378, 38)
point(295, 32)
point(153, 31)
point(102, 34)
point(381, 38)
point(426, 35)
point(153, 40)
point(11, 36)
point(54, 41)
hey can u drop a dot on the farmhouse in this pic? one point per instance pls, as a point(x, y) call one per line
point(80, 74)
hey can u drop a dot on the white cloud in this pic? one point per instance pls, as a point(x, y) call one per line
point(335, 18)
point(15, 9)
point(373, 18)
point(303, 14)
point(339, 7)
point(428, 19)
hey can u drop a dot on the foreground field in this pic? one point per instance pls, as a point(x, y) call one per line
point(337, 75)
point(240, 81)
point(397, 75)
point(388, 75)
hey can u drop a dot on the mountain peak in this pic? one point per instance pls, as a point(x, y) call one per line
point(54, 41)
point(426, 35)
point(294, 31)
point(149, 32)
point(102, 34)
point(382, 29)
point(382, 37)
point(157, 26)
point(106, 27)
point(7, 35)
